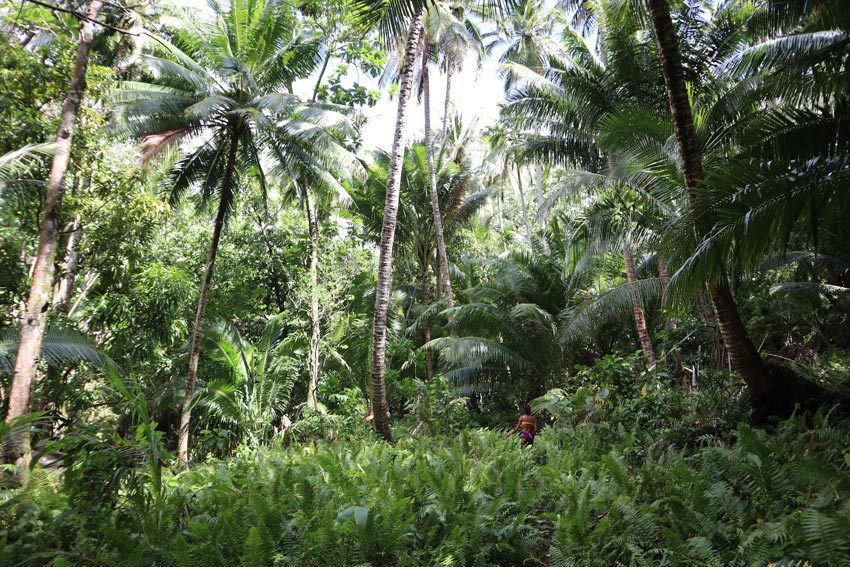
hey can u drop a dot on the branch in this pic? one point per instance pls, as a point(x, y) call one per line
point(83, 17)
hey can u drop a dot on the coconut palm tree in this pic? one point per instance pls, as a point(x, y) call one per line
point(220, 88)
point(752, 168)
point(310, 181)
point(444, 284)
point(382, 295)
point(395, 20)
point(34, 317)
point(526, 37)
point(743, 354)
point(460, 198)
point(464, 37)
point(559, 110)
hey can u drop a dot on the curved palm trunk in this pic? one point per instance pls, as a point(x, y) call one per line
point(385, 258)
point(195, 351)
point(640, 316)
point(443, 280)
point(35, 315)
point(312, 387)
point(745, 358)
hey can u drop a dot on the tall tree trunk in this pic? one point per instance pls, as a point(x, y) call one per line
point(321, 76)
point(385, 258)
point(68, 267)
point(539, 187)
point(35, 315)
point(540, 217)
point(443, 280)
point(447, 102)
point(313, 226)
point(426, 326)
point(640, 316)
point(524, 207)
point(670, 322)
point(312, 221)
point(745, 358)
point(195, 351)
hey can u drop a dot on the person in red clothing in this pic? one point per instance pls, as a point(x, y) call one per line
point(526, 427)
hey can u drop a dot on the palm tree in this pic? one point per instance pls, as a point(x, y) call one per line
point(382, 293)
point(444, 284)
point(745, 358)
point(455, 36)
point(559, 109)
point(310, 180)
point(257, 384)
point(460, 199)
point(218, 86)
point(394, 18)
point(526, 35)
point(34, 318)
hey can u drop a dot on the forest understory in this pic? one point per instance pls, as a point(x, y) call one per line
point(425, 282)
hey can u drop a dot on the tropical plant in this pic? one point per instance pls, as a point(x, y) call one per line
point(258, 378)
point(34, 319)
point(456, 186)
point(217, 89)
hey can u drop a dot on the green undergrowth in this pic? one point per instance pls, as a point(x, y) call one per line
point(593, 492)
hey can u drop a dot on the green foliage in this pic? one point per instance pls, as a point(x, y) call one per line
point(622, 487)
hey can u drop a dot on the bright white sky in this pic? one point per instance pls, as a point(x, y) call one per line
point(476, 94)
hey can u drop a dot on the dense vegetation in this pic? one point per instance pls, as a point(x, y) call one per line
point(240, 325)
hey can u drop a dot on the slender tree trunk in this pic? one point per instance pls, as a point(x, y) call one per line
point(664, 274)
point(438, 270)
point(443, 280)
point(313, 225)
point(447, 102)
point(385, 257)
point(68, 267)
point(35, 315)
point(539, 186)
point(321, 76)
point(745, 358)
point(524, 207)
point(195, 351)
point(502, 216)
point(426, 326)
point(312, 221)
point(540, 217)
point(640, 316)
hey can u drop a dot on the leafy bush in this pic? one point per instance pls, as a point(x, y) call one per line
point(598, 493)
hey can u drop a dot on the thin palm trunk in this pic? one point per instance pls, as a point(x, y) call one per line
point(745, 358)
point(447, 102)
point(313, 226)
point(523, 207)
point(385, 257)
point(321, 76)
point(426, 325)
point(640, 316)
point(195, 351)
point(35, 315)
point(670, 322)
point(443, 281)
point(539, 187)
point(312, 221)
